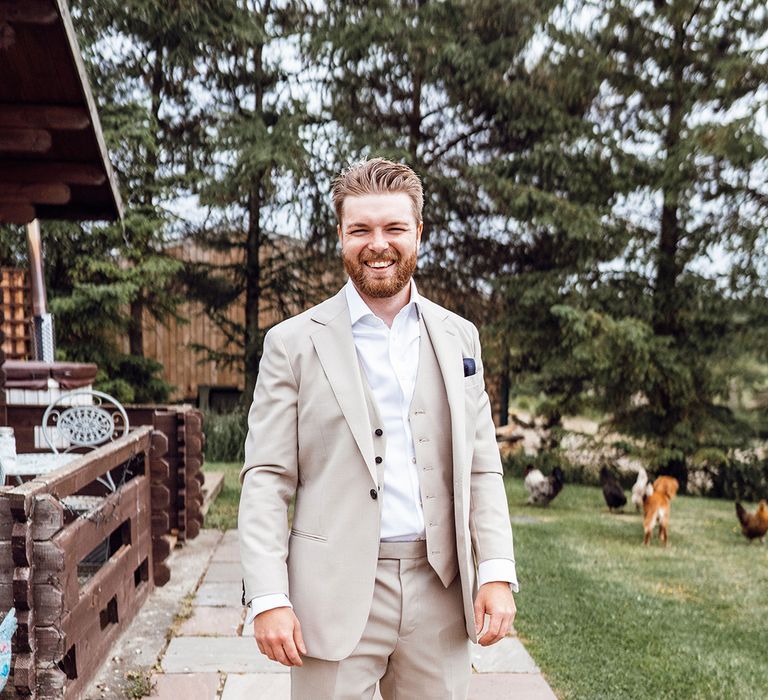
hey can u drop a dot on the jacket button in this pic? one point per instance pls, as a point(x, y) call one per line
point(374, 495)
point(378, 460)
point(379, 432)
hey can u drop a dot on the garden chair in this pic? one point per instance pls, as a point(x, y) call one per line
point(71, 423)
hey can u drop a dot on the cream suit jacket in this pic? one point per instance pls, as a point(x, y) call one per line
point(309, 436)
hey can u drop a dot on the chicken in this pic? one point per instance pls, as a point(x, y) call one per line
point(543, 489)
point(641, 489)
point(612, 491)
point(7, 628)
point(753, 525)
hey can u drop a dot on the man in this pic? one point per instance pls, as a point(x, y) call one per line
point(370, 410)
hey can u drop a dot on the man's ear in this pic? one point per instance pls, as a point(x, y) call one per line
point(338, 231)
point(419, 229)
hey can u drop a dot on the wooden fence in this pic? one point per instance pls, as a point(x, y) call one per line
point(82, 562)
point(176, 480)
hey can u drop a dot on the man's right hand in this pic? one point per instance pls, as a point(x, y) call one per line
point(278, 634)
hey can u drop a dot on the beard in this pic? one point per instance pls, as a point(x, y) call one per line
point(363, 276)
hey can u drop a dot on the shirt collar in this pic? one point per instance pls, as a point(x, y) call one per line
point(358, 308)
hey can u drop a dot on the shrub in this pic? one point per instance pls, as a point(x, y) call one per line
point(225, 436)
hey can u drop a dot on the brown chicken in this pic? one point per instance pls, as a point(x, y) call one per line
point(754, 525)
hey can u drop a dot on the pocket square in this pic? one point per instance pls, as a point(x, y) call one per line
point(469, 366)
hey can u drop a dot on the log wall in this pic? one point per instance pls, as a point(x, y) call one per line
point(67, 624)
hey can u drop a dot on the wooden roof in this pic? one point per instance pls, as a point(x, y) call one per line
point(53, 159)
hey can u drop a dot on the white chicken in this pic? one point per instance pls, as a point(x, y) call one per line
point(641, 489)
point(542, 489)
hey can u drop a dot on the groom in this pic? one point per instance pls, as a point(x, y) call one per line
point(370, 411)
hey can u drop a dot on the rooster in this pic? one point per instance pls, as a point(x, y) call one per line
point(612, 491)
point(543, 489)
point(753, 525)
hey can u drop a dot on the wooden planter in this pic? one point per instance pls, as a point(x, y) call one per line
point(69, 613)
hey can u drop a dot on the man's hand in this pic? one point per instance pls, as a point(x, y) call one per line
point(278, 634)
point(495, 599)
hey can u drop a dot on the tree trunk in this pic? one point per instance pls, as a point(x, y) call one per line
point(136, 329)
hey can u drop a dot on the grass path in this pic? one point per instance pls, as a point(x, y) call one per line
point(605, 617)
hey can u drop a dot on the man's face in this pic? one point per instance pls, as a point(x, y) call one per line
point(379, 239)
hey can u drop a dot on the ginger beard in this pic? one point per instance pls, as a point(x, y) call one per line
point(370, 282)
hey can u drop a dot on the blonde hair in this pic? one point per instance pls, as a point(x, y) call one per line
point(376, 176)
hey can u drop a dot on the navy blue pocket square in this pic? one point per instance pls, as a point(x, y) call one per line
point(469, 366)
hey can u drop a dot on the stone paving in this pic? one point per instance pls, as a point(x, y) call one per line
point(212, 640)
point(209, 656)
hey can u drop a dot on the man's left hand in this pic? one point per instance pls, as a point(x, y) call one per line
point(495, 599)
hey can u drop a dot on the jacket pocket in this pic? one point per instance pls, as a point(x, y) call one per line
point(307, 535)
point(473, 381)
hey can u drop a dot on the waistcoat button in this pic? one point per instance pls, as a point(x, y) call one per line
point(379, 432)
point(374, 495)
point(378, 460)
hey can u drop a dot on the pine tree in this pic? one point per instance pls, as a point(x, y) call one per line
point(681, 86)
point(251, 166)
point(394, 86)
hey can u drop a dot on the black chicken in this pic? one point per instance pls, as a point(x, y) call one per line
point(612, 491)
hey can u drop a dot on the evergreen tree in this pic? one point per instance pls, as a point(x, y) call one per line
point(253, 161)
point(681, 84)
point(394, 86)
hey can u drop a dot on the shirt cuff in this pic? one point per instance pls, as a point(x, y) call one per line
point(262, 603)
point(497, 570)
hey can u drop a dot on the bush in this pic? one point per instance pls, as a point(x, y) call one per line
point(546, 460)
point(732, 478)
point(225, 436)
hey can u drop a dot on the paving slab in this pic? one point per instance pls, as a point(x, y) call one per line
point(222, 654)
point(212, 621)
point(227, 594)
point(249, 686)
point(224, 571)
point(227, 551)
point(503, 686)
point(506, 656)
point(230, 536)
point(142, 642)
point(190, 686)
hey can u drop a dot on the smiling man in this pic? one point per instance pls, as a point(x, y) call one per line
point(370, 409)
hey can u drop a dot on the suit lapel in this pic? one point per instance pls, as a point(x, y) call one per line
point(449, 357)
point(335, 348)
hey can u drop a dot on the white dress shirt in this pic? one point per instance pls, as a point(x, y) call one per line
point(390, 358)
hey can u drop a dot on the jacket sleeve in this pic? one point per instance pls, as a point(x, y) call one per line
point(269, 474)
point(489, 524)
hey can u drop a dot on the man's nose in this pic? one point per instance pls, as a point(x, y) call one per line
point(378, 242)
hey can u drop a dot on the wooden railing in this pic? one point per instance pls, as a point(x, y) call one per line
point(177, 478)
point(70, 609)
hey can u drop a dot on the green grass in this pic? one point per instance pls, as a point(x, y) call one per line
point(222, 515)
point(605, 617)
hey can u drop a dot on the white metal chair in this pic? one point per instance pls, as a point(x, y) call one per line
point(70, 423)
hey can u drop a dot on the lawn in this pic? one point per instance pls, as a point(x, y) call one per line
point(605, 617)
point(222, 514)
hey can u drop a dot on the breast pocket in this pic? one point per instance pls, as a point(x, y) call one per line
point(473, 381)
